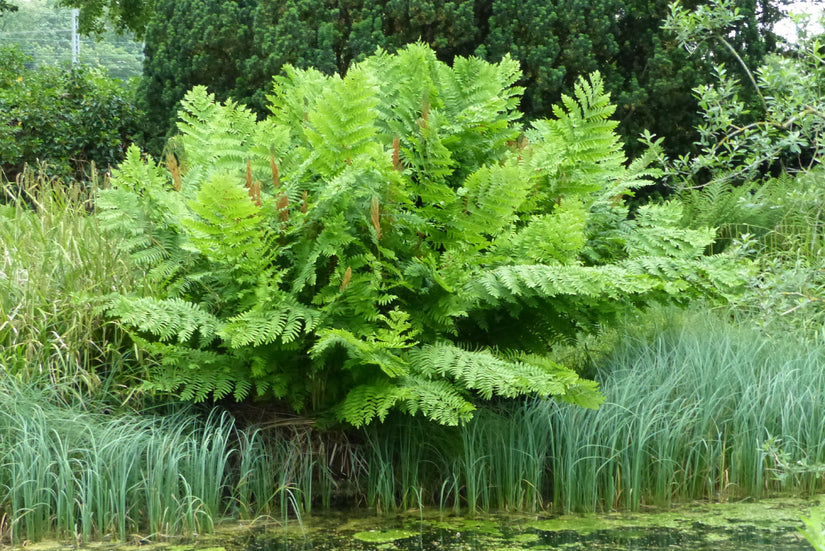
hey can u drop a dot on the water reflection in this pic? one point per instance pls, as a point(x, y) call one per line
point(756, 527)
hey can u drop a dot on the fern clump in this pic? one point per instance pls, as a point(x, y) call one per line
point(393, 239)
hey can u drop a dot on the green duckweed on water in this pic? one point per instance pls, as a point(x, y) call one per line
point(768, 514)
point(382, 536)
point(768, 525)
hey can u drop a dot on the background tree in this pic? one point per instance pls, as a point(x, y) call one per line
point(193, 42)
point(648, 74)
point(66, 117)
point(125, 15)
point(6, 7)
point(43, 30)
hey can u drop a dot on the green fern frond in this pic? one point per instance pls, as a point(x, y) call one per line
point(513, 283)
point(365, 351)
point(437, 400)
point(226, 226)
point(167, 319)
point(192, 374)
point(408, 83)
point(492, 197)
point(548, 239)
point(213, 137)
point(294, 95)
point(341, 127)
point(579, 152)
point(641, 172)
point(657, 233)
point(484, 372)
point(266, 325)
point(367, 402)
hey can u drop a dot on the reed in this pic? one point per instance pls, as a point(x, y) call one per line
point(82, 475)
point(688, 416)
point(694, 404)
point(697, 408)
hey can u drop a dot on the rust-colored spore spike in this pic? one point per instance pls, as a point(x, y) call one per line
point(347, 278)
point(283, 207)
point(254, 187)
point(375, 215)
point(174, 168)
point(304, 205)
point(424, 121)
point(396, 154)
point(519, 143)
point(276, 176)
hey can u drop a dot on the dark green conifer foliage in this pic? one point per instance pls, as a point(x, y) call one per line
point(6, 6)
point(394, 239)
point(648, 74)
point(193, 42)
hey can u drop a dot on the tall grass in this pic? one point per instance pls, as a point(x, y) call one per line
point(695, 409)
point(54, 264)
point(688, 415)
point(81, 475)
point(496, 461)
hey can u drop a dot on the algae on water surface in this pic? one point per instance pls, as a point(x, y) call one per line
point(769, 525)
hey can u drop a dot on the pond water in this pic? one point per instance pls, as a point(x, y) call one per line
point(770, 524)
point(767, 525)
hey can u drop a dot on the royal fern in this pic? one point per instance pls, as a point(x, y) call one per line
point(393, 239)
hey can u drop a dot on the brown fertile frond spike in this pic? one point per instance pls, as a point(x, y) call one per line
point(276, 176)
point(347, 278)
point(519, 144)
point(174, 168)
point(254, 187)
point(423, 122)
point(304, 205)
point(283, 207)
point(375, 216)
point(396, 154)
point(255, 192)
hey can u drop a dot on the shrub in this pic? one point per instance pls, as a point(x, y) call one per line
point(758, 175)
point(66, 118)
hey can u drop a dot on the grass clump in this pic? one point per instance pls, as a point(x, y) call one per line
point(81, 474)
point(55, 263)
point(691, 414)
point(87, 473)
point(697, 407)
